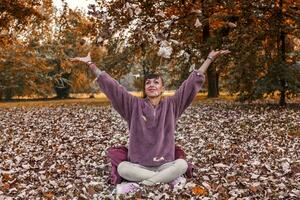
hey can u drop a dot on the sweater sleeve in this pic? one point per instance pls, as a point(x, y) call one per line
point(185, 94)
point(120, 98)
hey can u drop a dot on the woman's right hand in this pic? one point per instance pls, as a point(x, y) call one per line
point(86, 59)
point(213, 55)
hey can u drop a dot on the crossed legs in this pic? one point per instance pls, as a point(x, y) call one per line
point(152, 175)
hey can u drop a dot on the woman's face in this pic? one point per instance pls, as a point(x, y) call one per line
point(154, 87)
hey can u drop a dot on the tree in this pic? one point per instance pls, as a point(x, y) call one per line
point(15, 16)
point(21, 72)
point(179, 30)
point(282, 72)
point(14, 20)
point(74, 35)
point(37, 55)
point(262, 66)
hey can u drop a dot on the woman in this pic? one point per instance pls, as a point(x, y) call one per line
point(151, 122)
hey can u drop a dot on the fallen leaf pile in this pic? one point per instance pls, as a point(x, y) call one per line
point(240, 151)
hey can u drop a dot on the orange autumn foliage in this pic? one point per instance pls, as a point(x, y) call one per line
point(197, 190)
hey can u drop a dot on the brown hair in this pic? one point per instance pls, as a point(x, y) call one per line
point(155, 76)
point(152, 76)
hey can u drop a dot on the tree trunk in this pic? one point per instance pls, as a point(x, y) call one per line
point(62, 89)
point(211, 72)
point(217, 83)
point(8, 94)
point(282, 101)
point(212, 83)
point(281, 54)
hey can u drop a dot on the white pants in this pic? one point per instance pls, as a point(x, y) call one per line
point(152, 175)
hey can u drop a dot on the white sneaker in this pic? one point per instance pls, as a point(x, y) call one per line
point(178, 183)
point(127, 187)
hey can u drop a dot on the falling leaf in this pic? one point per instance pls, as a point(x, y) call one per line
point(161, 13)
point(231, 25)
point(198, 11)
point(192, 67)
point(165, 50)
point(197, 23)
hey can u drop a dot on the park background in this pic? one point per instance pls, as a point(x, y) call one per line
point(242, 131)
point(131, 39)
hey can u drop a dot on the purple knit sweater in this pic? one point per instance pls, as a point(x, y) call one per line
point(151, 139)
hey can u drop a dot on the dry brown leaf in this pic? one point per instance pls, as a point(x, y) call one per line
point(48, 195)
point(210, 146)
point(295, 168)
point(91, 190)
point(6, 177)
point(5, 186)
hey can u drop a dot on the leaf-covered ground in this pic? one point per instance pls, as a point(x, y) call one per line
point(241, 151)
